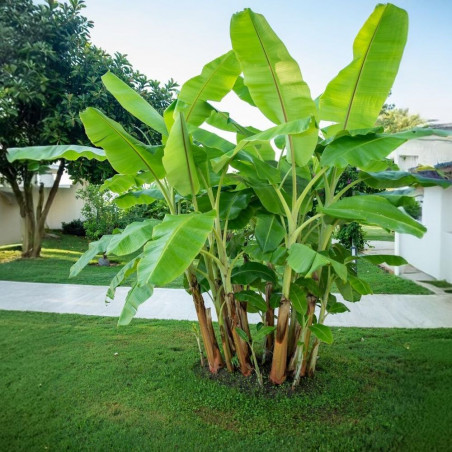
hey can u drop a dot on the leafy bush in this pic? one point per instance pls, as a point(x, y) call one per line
point(74, 227)
point(350, 235)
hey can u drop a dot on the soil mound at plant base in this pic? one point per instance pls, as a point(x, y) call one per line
point(249, 385)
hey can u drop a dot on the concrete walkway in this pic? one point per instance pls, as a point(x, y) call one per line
point(374, 311)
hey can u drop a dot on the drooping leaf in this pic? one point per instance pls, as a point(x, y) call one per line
point(298, 298)
point(290, 128)
point(137, 295)
point(394, 179)
point(273, 78)
point(215, 81)
point(233, 203)
point(359, 285)
point(94, 248)
point(121, 183)
point(254, 301)
point(304, 260)
point(242, 91)
point(126, 271)
point(269, 232)
point(389, 259)
point(364, 151)
point(322, 332)
point(336, 307)
point(375, 210)
point(263, 331)
point(175, 243)
point(136, 197)
point(242, 334)
point(126, 154)
point(251, 272)
point(134, 236)
point(178, 159)
point(131, 101)
point(68, 152)
point(353, 99)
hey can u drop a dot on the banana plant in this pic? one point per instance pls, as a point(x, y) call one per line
point(257, 235)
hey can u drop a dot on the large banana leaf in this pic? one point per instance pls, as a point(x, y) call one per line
point(134, 236)
point(305, 261)
point(394, 179)
point(126, 271)
point(131, 101)
point(176, 242)
point(273, 78)
point(269, 232)
point(215, 81)
point(364, 151)
point(295, 127)
point(178, 159)
point(68, 152)
point(375, 210)
point(94, 248)
point(137, 295)
point(136, 197)
point(126, 154)
point(122, 183)
point(353, 99)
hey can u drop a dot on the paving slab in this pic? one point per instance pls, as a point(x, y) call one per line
point(373, 311)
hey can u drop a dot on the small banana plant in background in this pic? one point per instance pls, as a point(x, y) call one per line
point(262, 209)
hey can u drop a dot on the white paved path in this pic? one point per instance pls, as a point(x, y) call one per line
point(379, 311)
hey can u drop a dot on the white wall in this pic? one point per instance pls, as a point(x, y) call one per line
point(423, 151)
point(65, 207)
point(433, 253)
point(10, 224)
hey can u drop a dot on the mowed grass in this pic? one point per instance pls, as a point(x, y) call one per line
point(59, 254)
point(57, 257)
point(378, 234)
point(79, 382)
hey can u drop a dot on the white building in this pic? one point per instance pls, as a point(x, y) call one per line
point(431, 254)
point(65, 207)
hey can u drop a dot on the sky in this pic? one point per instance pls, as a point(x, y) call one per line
point(176, 39)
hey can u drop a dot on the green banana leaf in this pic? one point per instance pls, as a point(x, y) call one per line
point(68, 152)
point(137, 197)
point(134, 236)
point(137, 295)
point(178, 159)
point(122, 183)
point(374, 210)
point(126, 154)
point(215, 81)
point(353, 99)
point(175, 243)
point(131, 101)
point(273, 78)
point(94, 248)
point(269, 232)
point(364, 151)
point(305, 261)
point(394, 179)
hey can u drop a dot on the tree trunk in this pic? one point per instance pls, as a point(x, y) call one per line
point(205, 325)
point(278, 371)
point(241, 347)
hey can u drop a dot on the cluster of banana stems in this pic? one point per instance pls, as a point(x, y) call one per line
point(288, 344)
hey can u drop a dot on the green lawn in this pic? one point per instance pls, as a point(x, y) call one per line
point(59, 254)
point(377, 233)
point(80, 383)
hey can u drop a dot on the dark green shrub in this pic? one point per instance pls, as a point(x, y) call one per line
point(74, 227)
point(350, 235)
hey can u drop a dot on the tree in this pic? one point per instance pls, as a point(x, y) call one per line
point(398, 119)
point(49, 71)
point(259, 238)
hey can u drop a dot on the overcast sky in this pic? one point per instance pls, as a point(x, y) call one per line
point(174, 39)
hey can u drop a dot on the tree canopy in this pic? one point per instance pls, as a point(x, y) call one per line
point(49, 72)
